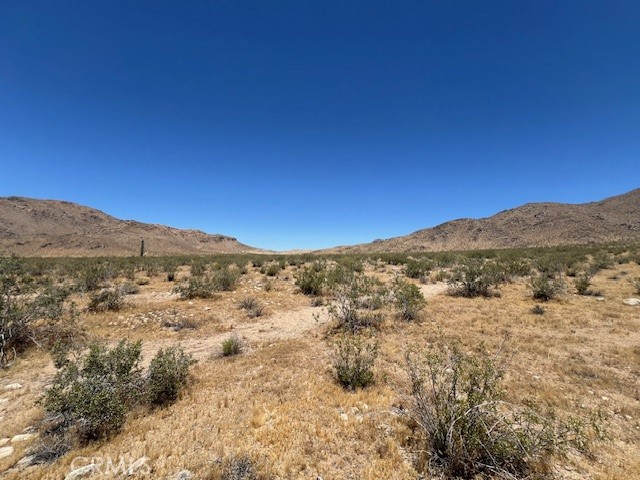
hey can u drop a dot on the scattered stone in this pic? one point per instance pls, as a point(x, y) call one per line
point(183, 475)
point(81, 472)
point(4, 400)
point(23, 437)
point(206, 309)
point(6, 452)
point(605, 398)
point(137, 465)
point(600, 299)
point(17, 386)
point(344, 417)
point(633, 302)
point(25, 462)
point(4, 441)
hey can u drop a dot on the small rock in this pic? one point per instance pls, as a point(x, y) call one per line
point(4, 400)
point(605, 398)
point(633, 302)
point(81, 472)
point(23, 437)
point(600, 299)
point(344, 417)
point(137, 465)
point(17, 386)
point(4, 441)
point(25, 462)
point(6, 452)
point(206, 309)
point(183, 475)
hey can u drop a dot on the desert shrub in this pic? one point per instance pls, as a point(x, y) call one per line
point(271, 270)
point(26, 309)
point(537, 310)
point(582, 283)
point(442, 276)
point(238, 468)
point(224, 279)
point(107, 300)
point(143, 280)
point(231, 346)
point(167, 375)
point(466, 430)
point(171, 276)
point(253, 307)
point(474, 279)
point(267, 286)
point(311, 280)
point(408, 299)
point(92, 278)
point(129, 288)
point(195, 287)
point(346, 308)
point(198, 268)
point(353, 361)
point(635, 282)
point(543, 288)
point(601, 261)
point(417, 268)
point(90, 396)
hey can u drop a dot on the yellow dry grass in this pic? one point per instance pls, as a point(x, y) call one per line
point(279, 404)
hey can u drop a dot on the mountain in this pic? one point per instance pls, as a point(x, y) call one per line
point(532, 225)
point(56, 228)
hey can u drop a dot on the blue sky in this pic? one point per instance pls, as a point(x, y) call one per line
point(308, 124)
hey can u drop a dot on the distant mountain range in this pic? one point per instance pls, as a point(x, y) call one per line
point(56, 228)
point(534, 224)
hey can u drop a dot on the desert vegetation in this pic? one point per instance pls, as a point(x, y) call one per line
point(484, 364)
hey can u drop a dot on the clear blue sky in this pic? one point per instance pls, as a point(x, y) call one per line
point(307, 124)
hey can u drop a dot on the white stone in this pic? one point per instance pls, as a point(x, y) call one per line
point(6, 452)
point(17, 386)
point(23, 437)
point(633, 302)
point(81, 472)
point(344, 417)
point(600, 299)
point(138, 465)
point(24, 462)
point(183, 475)
point(4, 400)
point(4, 441)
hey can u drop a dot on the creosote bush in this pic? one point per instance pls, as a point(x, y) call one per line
point(582, 283)
point(29, 314)
point(408, 299)
point(474, 279)
point(351, 302)
point(466, 430)
point(195, 287)
point(107, 300)
point(92, 393)
point(545, 288)
point(167, 375)
point(353, 361)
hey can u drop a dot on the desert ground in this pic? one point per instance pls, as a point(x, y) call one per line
point(277, 404)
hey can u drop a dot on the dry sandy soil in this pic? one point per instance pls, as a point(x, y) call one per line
point(279, 404)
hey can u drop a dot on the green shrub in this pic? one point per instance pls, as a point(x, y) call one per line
point(167, 375)
point(143, 281)
point(231, 346)
point(408, 299)
point(543, 288)
point(474, 279)
point(348, 299)
point(224, 279)
point(417, 268)
point(90, 396)
point(467, 431)
point(311, 281)
point(107, 300)
point(195, 287)
point(129, 288)
point(353, 361)
point(582, 283)
point(26, 310)
point(92, 278)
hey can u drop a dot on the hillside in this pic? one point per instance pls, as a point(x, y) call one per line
point(534, 224)
point(56, 228)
